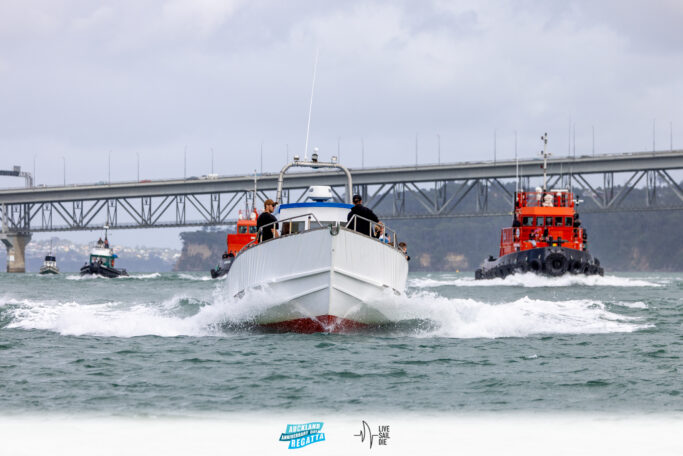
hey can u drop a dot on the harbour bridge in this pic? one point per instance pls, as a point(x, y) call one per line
point(452, 190)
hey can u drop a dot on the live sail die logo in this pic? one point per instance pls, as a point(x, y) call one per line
point(301, 435)
point(381, 437)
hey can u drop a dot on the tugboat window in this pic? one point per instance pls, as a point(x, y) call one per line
point(568, 221)
point(527, 221)
point(558, 221)
point(539, 221)
point(242, 230)
point(253, 229)
point(548, 221)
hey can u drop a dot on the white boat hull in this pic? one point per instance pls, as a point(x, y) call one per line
point(321, 280)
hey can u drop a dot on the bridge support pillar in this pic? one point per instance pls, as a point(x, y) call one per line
point(16, 250)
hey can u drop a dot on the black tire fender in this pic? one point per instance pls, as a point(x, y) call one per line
point(556, 264)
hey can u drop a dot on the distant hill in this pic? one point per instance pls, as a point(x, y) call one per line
point(202, 250)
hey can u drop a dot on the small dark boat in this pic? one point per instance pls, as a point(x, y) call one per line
point(223, 267)
point(49, 265)
point(101, 262)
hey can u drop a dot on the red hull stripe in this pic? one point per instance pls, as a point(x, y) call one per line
point(322, 323)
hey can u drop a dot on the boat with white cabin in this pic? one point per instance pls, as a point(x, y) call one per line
point(49, 265)
point(323, 274)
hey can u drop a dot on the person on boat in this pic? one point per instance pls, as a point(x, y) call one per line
point(577, 222)
point(106, 243)
point(100, 243)
point(266, 218)
point(404, 248)
point(361, 224)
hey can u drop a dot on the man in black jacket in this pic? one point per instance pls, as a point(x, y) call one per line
point(360, 225)
point(265, 218)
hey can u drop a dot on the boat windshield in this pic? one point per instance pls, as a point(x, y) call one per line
point(100, 259)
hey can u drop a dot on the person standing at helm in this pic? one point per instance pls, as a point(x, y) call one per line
point(266, 218)
point(359, 224)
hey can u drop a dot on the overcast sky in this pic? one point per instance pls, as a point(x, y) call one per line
point(80, 78)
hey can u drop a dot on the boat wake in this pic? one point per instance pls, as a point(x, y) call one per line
point(469, 318)
point(530, 280)
point(152, 275)
point(419, 314)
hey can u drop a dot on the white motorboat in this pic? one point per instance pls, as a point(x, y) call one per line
point(49, 265)
point(324, 275)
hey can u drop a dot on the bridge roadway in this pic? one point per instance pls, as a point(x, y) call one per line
point(620, 163)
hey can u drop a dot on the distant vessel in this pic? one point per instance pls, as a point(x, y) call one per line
point(49, 265)
point(245, 233)
point(546, 237)
point(101, 261)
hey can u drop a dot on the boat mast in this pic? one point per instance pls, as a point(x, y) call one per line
point(253, 197)
point(545, 154)
point(310, 106)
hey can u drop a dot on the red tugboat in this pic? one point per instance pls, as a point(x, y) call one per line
point(245, 233)
point(546, 237)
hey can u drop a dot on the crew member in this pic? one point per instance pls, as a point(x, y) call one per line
point(361, 224)
point(266, 218)
point(404, 248)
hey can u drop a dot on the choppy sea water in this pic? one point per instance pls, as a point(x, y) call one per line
point(176, 344)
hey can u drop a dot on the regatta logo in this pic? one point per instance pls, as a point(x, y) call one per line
point(365, 433)
point(301, 435)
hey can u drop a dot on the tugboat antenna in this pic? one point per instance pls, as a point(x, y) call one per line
point(516, 168)
point(310, 106)
point(545, 154)
point(253, 197)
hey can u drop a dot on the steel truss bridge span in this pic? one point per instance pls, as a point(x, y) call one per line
point(434, 191)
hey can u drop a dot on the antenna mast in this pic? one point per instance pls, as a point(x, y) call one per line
point(516, 167)
point(310, 106)
point(545, 154)
point(253, 197)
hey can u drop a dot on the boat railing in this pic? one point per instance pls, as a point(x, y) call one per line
point(558, 198)
point(377, 230)
point(308, 218)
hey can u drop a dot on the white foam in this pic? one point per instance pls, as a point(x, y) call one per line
point(153, 275)
point(449, 317)
point(632, 305)
point(468, 318)
point(530, 280)
point(199, 278)
point(116, 319)
point(84, 277)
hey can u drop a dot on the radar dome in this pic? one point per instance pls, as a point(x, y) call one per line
point(320, 193)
